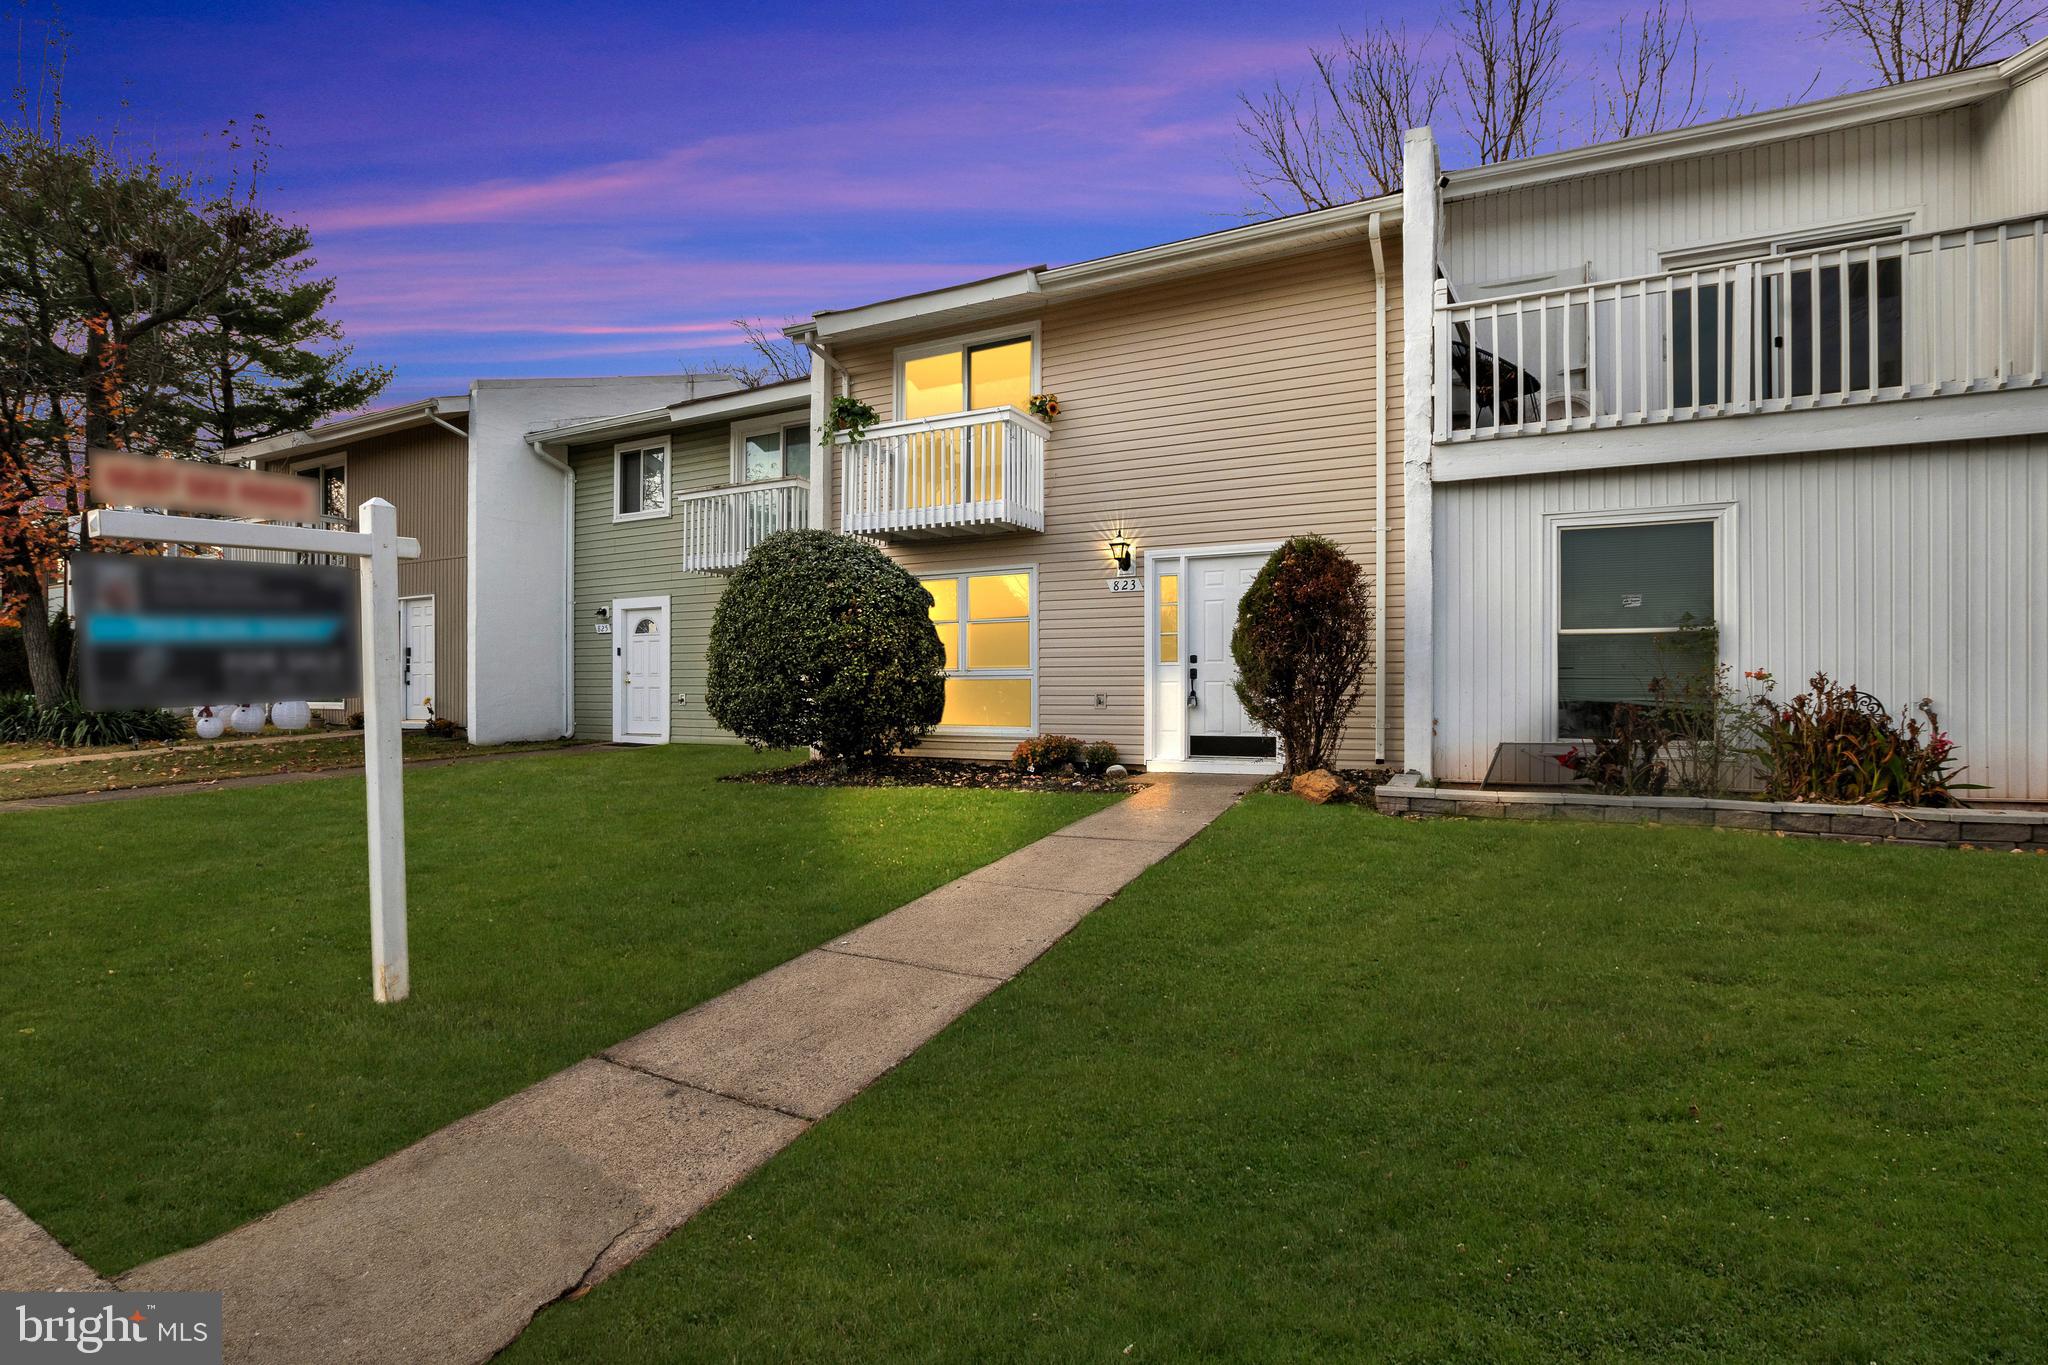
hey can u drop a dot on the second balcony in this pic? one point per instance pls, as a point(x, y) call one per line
point(977, 473)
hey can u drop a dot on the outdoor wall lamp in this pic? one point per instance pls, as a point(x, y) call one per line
point(1120, 550)
point(604, 613)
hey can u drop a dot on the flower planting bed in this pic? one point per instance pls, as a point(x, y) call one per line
point(1928, 826)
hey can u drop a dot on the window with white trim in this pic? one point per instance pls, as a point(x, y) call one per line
point(984, 374)
point(772, 450)
point(987, 622)
point(640, 480)
point(1632, 603)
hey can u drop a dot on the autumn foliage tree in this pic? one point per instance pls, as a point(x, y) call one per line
point(1302, 645)
point(128, 290)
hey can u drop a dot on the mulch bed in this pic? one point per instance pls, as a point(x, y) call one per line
point(929, 772)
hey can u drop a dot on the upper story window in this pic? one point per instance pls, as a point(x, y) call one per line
point(774, 449)
point(640, 471)
point(1001, 371)
point(333, 488)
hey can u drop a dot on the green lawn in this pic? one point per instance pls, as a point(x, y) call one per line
point(186, 1033)
point(1331, 1086)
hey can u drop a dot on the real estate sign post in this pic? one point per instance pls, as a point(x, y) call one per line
point(376, 548)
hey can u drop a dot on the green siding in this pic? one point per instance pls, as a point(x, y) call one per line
point(644, 559)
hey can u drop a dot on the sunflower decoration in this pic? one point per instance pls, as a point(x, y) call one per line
point(1044, 406)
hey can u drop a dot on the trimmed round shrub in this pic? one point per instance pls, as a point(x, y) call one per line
point(1303, 641)
point(824, 642)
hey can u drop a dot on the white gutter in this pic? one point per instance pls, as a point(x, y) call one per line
point(568, 583)
point(1379, 530)
point(434, 416)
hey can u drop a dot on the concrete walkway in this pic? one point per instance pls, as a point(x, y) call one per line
point(445, 1250)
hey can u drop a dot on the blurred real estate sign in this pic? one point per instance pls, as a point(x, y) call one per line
point(119, 479)
point(207, 632)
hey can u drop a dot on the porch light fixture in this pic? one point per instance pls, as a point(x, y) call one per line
point(1120, 550)
point(604, 613)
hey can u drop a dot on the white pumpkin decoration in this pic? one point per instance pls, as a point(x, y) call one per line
point(209, 723)
point(291, 715)
point(246, 719)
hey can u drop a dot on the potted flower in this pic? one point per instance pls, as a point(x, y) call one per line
point(1044, 406)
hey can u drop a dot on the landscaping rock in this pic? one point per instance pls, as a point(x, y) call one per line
point(1318, 787)
point(1115, 772)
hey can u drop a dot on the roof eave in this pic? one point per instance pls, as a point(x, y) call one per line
point(328, 435)
point(1025, 288)
point(652, 421)
point(1928, 96)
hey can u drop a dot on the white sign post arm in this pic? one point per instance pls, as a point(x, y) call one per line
point(384, 760)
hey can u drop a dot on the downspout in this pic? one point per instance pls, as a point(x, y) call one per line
point(1379, 530)
point(824, 367)
point(568, 584)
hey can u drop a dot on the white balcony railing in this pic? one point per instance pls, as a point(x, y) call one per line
point(967, 473)
point(1902, 317)
point(721, 525)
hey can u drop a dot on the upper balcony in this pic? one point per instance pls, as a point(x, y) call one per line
point(1958, 312)
point(722, 525)
point(974, 473)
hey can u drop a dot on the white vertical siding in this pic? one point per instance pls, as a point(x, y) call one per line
point(2012, 176)
point(1620, 222)
point(1911, 572)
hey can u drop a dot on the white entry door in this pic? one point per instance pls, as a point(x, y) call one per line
point(1217, 724)
point(640, 671)
point(416, 649)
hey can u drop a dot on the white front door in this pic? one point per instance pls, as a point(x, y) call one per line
point(416, 648)
point(640, 669)
point(1217, 724)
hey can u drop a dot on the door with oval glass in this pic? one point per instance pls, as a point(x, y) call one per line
point(640, 712)
point(1217, 724)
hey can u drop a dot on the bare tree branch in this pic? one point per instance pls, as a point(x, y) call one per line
point(1341, 141)
point(1658, 79)
point(1510, 63)
point(1905, 40)
point(777, 359)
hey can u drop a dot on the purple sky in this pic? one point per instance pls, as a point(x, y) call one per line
point(523, 189)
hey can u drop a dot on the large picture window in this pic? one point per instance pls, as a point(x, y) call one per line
point(641, 481)
point(986, 621)
point(1631, 604)
point(991, 374)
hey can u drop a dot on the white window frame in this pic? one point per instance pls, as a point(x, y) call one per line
point(961, 342)
point(796, 417)
point(1721, 515)
point(330, 460)
point(668, 472)
point(966, 670)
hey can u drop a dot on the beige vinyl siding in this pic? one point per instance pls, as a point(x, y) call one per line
point(424, 473)
point(644, 559)
point(1223, 408)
